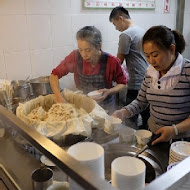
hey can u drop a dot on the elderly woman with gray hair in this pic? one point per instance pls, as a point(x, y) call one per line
point(93, 69)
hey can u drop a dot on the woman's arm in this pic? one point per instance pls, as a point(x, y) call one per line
point(67, 65)
point(136, 106)
point(107, 92)
point(54, 82)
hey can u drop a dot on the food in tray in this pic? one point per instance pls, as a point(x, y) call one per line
point(58, 112)
point(77, 117)
point(38, 113)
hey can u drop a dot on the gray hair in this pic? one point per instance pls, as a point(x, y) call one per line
point(90, 34)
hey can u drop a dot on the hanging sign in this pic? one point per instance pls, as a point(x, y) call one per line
point(132, 4)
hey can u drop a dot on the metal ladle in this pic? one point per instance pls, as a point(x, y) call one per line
point(26, 80)
point(147, 145)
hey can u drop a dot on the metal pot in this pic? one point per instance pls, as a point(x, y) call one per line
point(41, 86)
point(22, 90)
point(113, 151)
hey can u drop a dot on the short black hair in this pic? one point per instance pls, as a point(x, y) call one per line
point(117, 12)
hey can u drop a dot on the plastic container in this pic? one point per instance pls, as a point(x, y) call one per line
point(127, 136)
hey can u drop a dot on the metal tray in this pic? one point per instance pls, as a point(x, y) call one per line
point(6, 181)
point(113, 151)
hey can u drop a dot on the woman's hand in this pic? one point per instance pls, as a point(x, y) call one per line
point(60, 99)
point(105, 93)
point(121, 114)
point(167, 133)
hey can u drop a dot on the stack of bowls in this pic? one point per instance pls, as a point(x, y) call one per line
point(95, 94)
point(179, 151)
point(89, 154)
point(128, 173)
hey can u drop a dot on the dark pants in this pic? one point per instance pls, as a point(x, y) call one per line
point(131, 95)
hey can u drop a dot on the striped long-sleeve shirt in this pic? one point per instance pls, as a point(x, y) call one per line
point(168, 106)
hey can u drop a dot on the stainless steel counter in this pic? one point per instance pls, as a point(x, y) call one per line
point(17, 162)
point(20, 164)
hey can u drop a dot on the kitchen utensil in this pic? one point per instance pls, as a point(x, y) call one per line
point(152, 160)
point(23, 90)
point(26, 80)
point(128, 173)
point(147, 145)
point(41, 86)
point(89, 154)
point(46, 161)
point(95, 94)
point(42, 178)
point(143, 136)
point(127, 135)
point(112, 124)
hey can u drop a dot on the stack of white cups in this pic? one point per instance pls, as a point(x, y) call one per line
point(89, 154)
point(128, 173)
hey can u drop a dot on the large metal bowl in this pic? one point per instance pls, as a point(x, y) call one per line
point(113, 151)
point(22, 90)
point(41, 86)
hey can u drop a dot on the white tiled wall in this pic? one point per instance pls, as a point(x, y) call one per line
point(13, 35)
point(2, 66)
point(61, 30)
point(12, 7)
point(36, 7)
point(35, 35)
point(17, 64)
point(39, 32)
point(41, 62)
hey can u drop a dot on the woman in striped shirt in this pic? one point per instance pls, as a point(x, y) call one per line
point(166, 86)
